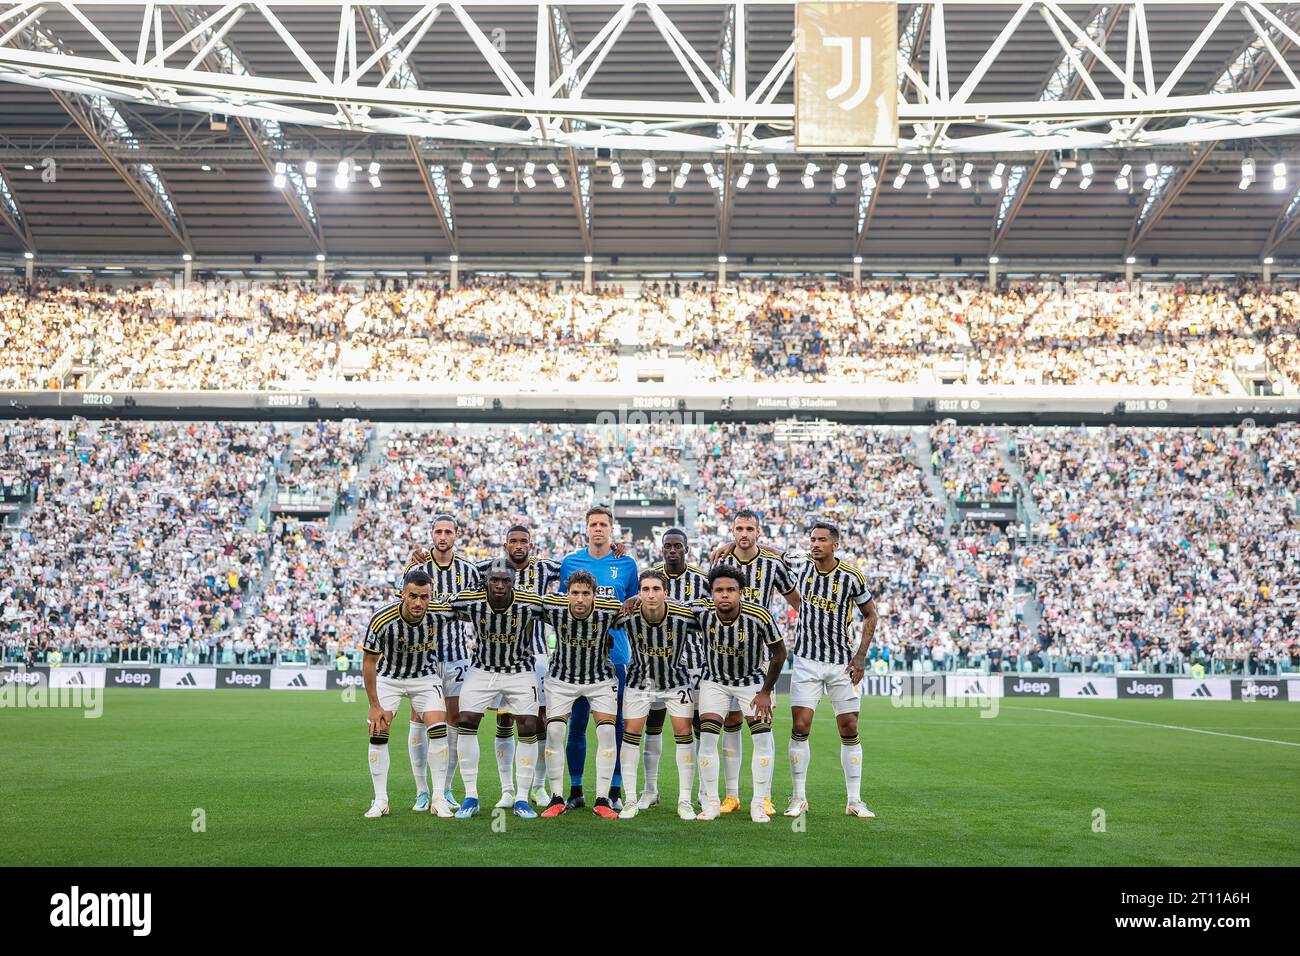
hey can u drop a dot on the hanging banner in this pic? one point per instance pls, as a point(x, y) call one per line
point(846, 76)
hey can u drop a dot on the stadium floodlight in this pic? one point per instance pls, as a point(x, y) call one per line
point(931, 180)
point(837, 180)
point(1130, 260)
point(467, 182)
point(453, 258)
point(773, 176)
point(901, 178)
point(1057, 179)
point(281, 169)
point(373, 168)
point(466, 168)
point(616, 171)
point(1152, 170)
point(722, 259)
point(1268, 260)
point(187, 258)
point(647, 173)
point(1122, 180)
point(586, 258)
point(1086, 170)
point(280, 180)
point(320, 257)
point(374, 182)
point(995, 178)
point(1085, 182)
point(807, 178)
point(743, 180)
point(994, 260)
point(1247, 173)
point(310, 167)
point(205, 167)
point(1279, 176)
point(857, 260)
point(342, 173)
point(31, 255)
point(684, 170)
point(530, 168)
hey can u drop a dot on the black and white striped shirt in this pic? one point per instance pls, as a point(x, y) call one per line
point(503, 640)
point(461, 575)
point(734, 653)
point(768, 575)
point(691, 585)
point(661, 652)
point(405, 650)
point(823, 630)
point(537, 576)
point(582, 645)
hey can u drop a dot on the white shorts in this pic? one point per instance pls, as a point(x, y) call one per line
point(813, 680)
point(602, 696)
point(453, 677)
point(514, 693)
point(721, 699)
point(425, 694)
point(638, 703)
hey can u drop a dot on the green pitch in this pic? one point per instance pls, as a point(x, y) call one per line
point(280, 777)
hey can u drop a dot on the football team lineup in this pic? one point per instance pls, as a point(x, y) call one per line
point(633, 648)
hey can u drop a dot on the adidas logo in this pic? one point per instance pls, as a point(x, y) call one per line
point(298, 681)
point(187, 681)
point(76, 679)
point(1202, 691)
point(1087, 690)
point(975, 688)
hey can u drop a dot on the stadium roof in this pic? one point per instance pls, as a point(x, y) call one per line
point(142, 178)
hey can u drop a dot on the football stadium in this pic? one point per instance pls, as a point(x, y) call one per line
point(729, 434)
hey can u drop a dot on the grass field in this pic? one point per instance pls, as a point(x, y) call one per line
point(281, 778)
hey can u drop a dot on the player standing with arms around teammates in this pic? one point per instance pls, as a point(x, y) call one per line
point(769, 575)
point(580, 670)
point(502, 668)
point(616, 580)
point(450, 573)
point(825, 665)
point(686, 584)
point(400, 647)
point(736, 634)
point(661, 636)
point(538, 575)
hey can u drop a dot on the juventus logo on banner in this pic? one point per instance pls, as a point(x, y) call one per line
point(846, 76)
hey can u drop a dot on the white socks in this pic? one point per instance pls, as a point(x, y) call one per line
point(733, 754)
point(851, 763)
point(654, 745)
point(525, 764)
point(799, 764)
point(417, 744)
point(378, 756)
point(606, 758)
point(685, 767)
point(556, 729)
point(467, 755)
point(761, 762)
point(437, 753)
point(505, 751)
point(629, 761)
point(709, 731)
point(453, 756)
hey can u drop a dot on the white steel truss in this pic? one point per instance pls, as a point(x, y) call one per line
point(1120, 89)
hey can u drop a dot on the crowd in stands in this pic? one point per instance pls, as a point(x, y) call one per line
point(217, 335)
point(136, 536)
point(1154, 548)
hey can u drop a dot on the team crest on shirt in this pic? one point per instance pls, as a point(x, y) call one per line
point(613, 572)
